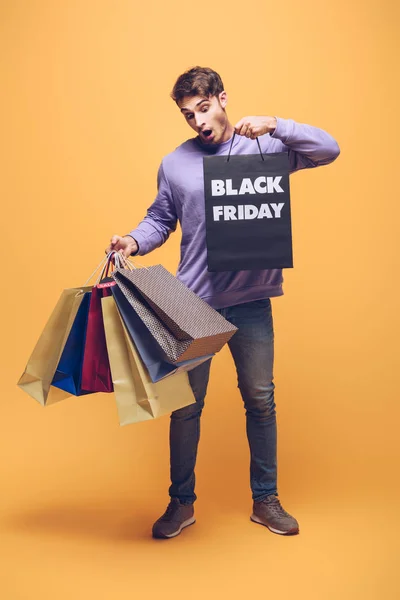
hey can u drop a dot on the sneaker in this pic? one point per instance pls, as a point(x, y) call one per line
point(270, 513)
point(176, 517)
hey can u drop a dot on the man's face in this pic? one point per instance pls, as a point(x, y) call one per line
point(207, 117)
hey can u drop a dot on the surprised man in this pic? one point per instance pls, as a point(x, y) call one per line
point(242, 297)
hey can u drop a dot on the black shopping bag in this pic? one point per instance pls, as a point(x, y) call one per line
point(247, 202)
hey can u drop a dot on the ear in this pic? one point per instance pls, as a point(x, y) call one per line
point(223, 99)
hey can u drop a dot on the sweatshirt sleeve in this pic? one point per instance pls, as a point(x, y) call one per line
point(160, 220)
point(307, 146)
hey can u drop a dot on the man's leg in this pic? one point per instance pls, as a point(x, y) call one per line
point(252, 348)
point(184, 440)
point(185, 435)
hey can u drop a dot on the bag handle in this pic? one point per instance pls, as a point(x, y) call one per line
point(115, 260)
point(103, 265)
point(120, 263)
point(230, 149)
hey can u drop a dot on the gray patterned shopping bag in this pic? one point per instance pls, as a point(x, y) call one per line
point(183, 324)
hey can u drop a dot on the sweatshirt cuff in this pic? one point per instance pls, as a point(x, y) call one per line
point(282, 129)
point(140, 240)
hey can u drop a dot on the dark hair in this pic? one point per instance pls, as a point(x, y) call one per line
point(198, 81)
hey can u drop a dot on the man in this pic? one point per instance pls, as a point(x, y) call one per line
point(242, 297)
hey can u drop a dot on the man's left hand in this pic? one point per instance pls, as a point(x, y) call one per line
point(252, 127)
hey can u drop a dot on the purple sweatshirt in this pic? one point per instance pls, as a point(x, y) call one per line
point(181, 197)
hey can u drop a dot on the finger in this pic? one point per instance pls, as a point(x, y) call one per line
point(122, 254)
point(248, 132)
point(242, 130)
point(115, 239)
point(239, 125)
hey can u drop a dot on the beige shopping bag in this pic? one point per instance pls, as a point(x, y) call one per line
point(137, 397)
point(42, 364)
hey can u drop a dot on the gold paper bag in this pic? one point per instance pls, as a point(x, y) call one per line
point(137, 397)
point(42, 364)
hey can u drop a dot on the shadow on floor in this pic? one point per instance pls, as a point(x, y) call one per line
point(122, 524)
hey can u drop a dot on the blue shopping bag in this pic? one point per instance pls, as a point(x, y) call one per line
point(148, 348)
point(69, 370)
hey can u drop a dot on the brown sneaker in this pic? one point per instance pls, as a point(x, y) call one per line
point(176, 517)
point(270, 513)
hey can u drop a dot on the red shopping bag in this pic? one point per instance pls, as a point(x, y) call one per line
point(96, 372)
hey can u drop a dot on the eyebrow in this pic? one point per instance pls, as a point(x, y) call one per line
point(198, 104)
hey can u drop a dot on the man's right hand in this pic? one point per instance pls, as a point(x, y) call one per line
point(124, 245)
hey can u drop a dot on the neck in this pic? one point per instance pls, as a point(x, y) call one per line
point(228, 132)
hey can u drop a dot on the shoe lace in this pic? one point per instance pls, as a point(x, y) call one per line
point(171, 508)
point(275, 506)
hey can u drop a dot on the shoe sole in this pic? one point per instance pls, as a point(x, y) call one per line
point(256, 519)
point(186, 523)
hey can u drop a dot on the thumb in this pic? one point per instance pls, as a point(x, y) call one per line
point(239, 124)
point(115, 239)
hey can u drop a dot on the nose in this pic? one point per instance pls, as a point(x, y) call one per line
point(199, 119)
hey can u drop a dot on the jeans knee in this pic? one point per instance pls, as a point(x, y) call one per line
point(188, 412)
point(259, 402)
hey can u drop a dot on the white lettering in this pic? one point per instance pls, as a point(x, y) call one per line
point(250, 211)
point(217, 187)
point(247, 212)
point(273, 185)
point(264, 212)
point(277, 208)
point(217, 210)
point(246, 187)
point(257, 185)
point(230, 213)
point(229, 190)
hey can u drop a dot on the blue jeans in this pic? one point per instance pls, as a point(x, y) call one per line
point(252, 349)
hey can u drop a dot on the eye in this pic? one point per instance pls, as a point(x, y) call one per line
point(205, 108)
point(189, 116)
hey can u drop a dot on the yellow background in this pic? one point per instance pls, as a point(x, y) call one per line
point(86, 119)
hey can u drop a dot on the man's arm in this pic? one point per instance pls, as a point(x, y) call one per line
point(307, 146)
point(160, 221)
point(155, 228)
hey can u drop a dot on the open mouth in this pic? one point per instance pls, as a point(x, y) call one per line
point(207, 133)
